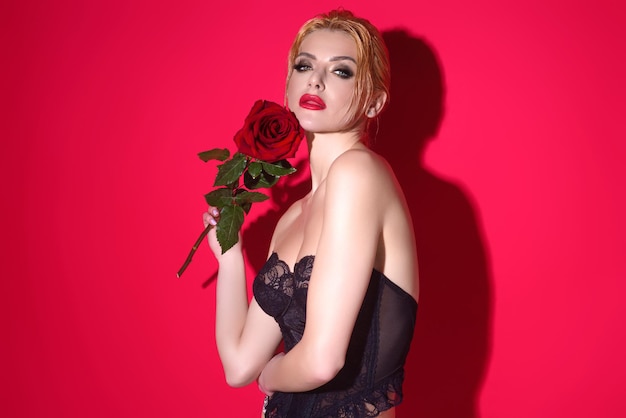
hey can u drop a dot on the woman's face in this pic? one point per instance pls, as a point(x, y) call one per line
point(322, 82)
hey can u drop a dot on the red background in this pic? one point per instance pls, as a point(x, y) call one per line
point(506, 130)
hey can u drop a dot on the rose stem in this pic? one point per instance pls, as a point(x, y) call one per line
point(193, 250)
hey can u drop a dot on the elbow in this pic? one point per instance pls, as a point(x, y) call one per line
point(237, 377)
point(324, 360)
point(236, 382)
point(325, 368)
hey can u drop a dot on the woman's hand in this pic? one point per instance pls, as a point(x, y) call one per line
point(211, 217)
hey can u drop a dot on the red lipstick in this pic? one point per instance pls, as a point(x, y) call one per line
point(311, 102)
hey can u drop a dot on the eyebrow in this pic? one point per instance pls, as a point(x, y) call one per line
point(337, 58)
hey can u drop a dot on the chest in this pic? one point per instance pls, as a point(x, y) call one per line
point(300, 235)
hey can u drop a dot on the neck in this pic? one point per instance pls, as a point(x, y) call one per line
point(325, 148)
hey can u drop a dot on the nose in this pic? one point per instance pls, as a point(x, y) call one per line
point(316, 81)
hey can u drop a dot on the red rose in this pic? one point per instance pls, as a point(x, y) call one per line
point(270, 132)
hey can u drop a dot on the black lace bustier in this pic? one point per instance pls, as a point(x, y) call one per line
point(371, 379)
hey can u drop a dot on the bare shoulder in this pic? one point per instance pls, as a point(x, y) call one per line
point(362, 169)
point(360, 160)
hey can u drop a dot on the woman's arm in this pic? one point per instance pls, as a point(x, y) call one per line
point(246, 336)
point(352, 223)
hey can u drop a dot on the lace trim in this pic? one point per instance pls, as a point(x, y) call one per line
point(384, 396)
point(273, 286)
point(363, 404)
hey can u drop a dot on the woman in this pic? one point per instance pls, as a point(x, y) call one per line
point(343, 256)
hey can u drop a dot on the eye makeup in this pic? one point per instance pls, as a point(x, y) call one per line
point(340, 71)
point(344, 72)
point(301, 66)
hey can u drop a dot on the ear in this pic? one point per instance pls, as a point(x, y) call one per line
point(377, 105)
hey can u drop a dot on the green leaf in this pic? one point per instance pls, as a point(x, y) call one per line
point(214, 154)
point(262, 181)
point(279, 168)
point(250, 197)
point(246, 207)
point(231, 170)
point(228, 227)
point(255, 169)
point(219, 197)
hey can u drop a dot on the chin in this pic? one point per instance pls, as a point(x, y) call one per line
point(307, 124)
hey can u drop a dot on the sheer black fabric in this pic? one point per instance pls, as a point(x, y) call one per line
point(371, 380)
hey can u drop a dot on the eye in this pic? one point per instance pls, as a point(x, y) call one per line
point(344, 72)
point(301, 66)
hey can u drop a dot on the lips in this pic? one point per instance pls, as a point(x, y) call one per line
point(311, 102)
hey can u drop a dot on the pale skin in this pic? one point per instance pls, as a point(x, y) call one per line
point(354, 219)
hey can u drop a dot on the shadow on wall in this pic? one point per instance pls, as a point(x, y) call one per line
point(450, 350)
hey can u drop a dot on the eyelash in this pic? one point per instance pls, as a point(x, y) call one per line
point(301, 67)
point(344, 73)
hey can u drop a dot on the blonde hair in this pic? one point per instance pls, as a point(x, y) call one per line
point(373, 75)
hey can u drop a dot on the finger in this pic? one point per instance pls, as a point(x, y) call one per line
point(207, 219)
